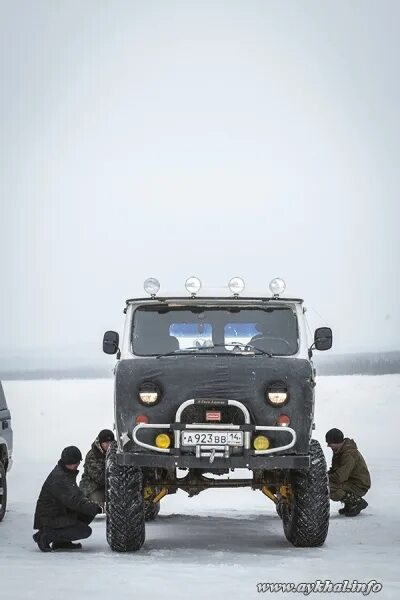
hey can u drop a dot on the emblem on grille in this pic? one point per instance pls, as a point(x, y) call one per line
point(213, 415)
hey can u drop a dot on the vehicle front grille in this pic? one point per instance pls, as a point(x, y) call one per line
point(197, 414)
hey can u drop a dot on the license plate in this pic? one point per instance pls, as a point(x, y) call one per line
point(212, 438)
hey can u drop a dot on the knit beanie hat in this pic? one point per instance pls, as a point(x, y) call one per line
point(71, 455)
point(334, 436)
point(106, 435)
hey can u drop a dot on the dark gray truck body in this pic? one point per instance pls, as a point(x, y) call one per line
point(209, 386)
point(212, 379)
point(6, 433)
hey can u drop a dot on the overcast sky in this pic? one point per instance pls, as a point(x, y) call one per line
point(215, 138)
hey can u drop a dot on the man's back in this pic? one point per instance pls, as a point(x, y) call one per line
point(348, 465)
point(60, 500)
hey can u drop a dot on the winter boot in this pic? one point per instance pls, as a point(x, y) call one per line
point(41, 539)
point(66, 546)
point(350, 501)
point(357, 508)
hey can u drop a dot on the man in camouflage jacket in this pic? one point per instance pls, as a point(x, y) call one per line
point(349, 478)
point(93, 479)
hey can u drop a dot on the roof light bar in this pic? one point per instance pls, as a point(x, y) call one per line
point(151, 286)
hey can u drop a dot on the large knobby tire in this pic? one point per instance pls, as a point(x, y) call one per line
point(306, 517)
point(151, 510)
point(3, 491)
point(124, 505)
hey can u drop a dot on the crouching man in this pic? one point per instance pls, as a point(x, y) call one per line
point(62, 512)
point(93, 479)
point(349, 478)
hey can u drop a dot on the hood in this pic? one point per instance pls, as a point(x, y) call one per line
point(348, 444)
point(97, 449)
point(243, 378)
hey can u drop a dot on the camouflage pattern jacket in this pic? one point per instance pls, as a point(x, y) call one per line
point(93, 477)
point(349, 469)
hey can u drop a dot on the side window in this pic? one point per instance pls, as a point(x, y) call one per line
point(190, 335)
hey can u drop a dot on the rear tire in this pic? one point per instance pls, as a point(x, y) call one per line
point(306, 517)
point(151, 510)
point(3, 491)
point(125, 506)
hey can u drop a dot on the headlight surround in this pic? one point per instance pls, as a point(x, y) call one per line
point(277, 395)
point(149, 394)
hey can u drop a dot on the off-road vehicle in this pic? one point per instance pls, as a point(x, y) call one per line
point(6, 441)
point(208, 385)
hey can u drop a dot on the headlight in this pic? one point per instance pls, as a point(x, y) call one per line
point(277, 397)
point(149, 394)
point(277, 394)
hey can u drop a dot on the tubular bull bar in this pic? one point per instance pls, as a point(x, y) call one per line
point(217, 452)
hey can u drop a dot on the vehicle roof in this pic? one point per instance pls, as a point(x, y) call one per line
point(212, 300)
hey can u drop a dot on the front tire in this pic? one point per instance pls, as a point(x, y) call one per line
point(125, 522)
point(3, 491)
point(305, 514)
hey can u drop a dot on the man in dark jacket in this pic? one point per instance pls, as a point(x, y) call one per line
point(93, 479)
point(349, 478)
point(62, 512)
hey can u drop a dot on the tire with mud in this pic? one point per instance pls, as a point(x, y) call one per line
point(125, 522)
point(151, 510)
point(306, 515)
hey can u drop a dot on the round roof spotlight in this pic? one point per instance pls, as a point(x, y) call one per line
point(236, 285)
point(277, 287)
point(193, 285)
point(151, 286)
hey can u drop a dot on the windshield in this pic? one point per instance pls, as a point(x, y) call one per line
point(164, 330)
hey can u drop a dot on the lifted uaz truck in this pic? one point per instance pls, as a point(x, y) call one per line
point(208, 385)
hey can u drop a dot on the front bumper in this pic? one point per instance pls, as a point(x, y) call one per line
point(251, 462)
point(215, 456)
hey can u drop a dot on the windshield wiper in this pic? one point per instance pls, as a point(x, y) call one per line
point(178, 351)
point(193, 349)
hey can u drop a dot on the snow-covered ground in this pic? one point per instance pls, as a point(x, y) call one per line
point(218, 544)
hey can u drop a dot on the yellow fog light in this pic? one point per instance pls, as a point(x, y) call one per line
point(261, 442)
point(163, 440)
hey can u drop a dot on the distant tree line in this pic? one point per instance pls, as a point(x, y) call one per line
point(370, 363)
point(346, 364)
point(54, 373)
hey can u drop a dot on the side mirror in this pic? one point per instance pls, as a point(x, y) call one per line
point(323, 338)
point(110, 342)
